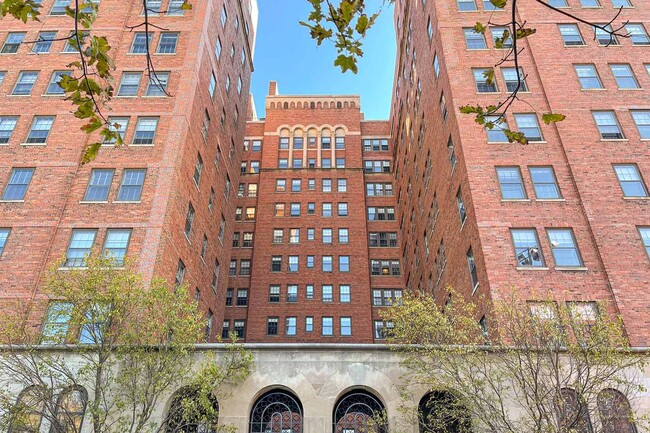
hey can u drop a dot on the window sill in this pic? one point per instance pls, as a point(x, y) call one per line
point(125, 96)
point(636, 198)
point(19, 96)
point(68, 268)
point(602, 89)
point(127, 202)
point(12, 201)
point(515, 200)
point(475, 289)
point(33, 144)
point(574, 268)
point(550, 199)
point(51, 95)
point(154, 96)
point(532, 268)
point(636, 89)
point(623, 140)
point(93, 202)
point(140, 145)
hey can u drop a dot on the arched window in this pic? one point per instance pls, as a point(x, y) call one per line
point(184, 418)
point(28, 412)
point(442, 412)
point(285, 105)
point(359, 411)
point(70, 409)
point(574, 415)
point(276, 411)
point(615, 412)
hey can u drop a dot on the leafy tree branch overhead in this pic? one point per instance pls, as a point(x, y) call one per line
point(346, 22)
point(90, 87)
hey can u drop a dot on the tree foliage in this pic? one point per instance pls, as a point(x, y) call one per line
point(127, 344)
point(90, 87)
point(520, 376)
point(345, 23)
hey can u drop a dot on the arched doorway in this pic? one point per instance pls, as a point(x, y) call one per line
point(442, 412)
point(185, 417)
point(615, 412)
point(276, 411)
point(359, 411)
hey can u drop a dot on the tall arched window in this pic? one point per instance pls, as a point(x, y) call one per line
point(615, 412)
point(276, 411)
point(28, 411)
point(70, 409)
point(574, 416)
point(442, 412)
point(184, 418)
point(358, 412)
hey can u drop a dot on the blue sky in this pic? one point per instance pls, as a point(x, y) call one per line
point(284, 52)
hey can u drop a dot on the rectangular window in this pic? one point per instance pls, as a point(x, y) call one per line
point(311, 234)
point(544, 183)
point(344, 263)
point(242, 297)
point(44, 42)
point(327, 264)
point(292, 293)
point(295, 185)
point(605, 35)
point(232, 268)
point(4, 235)
point(248, 240)
point(630, 180)
point(250, 214)
point(274, 293)
point(473, 40)
point(280, 185)
point(12, 43)
point(244, 267)
point(342, 185)
point(116, 244)
point(129, 84)
point(283, 163)
point(511, 184)
point(382, 329)
point(189, 220)
point(382, 239)
point(131, 186)
point(327, 295)
point(293, 264)
point(53, 87)
point(40, 129)
point(590, 3)
point(466, 5)
point(570, 34)
point(588, 77)
point(641, 120)
point(7, 126)
point(327, 209)
point(167, 43)
point(145, 130)
point(624, 76)
point(462, 212)
point(140, 45)
point(527, 250)
point(240, 329)
point(328, 326)
point(25, 83)
point(211, 88)
point(276, 264)
point(342, 209)
point(56, 323)
point(344, 236)
point(290, 326)
point(295, 209)
point(278, 235)
point(495, 127)
point(309, 324)
point(344, 293)
point(643, 231)
point(637, 33)
point(81, 243)
point(198, 169)
point(310, 262)
point(327, 236)
point(225, 329)
point(564, 248)
point(327, 185)
point(271, 324)
point(484, 79)
point(157, 85)
point(18, 183)
point(99, 184)
point(346, 326)
point(608, 126)
point(117, 125)
point(471, 263)
point(512, 81)
point(527, 123)
point(502, 37)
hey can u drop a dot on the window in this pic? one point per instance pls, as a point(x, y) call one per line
point(232, 269)
point(271, 323)
point(346, 326)
point(225, 329)
point(443, 107)
point(488, 6)
point(608, 125)
point(211, 88)
point(342, 185)
point(157, 85)
point(327, 209)
point(473, 40)
point(510, 78)
point(292, 293)
point(343, 236)
point(570, 34)
point(590, 3)
point(145, 130)
point(274, 293)
point(279, 210)
point(327, 236)
point(344, 263)
point(471, 263)
point(386, 297)
point(2, 76)
point(588, 77)
point(641, 120)
point(544, 183)
point(511, 184)
point(4, 234)
point(381, 213)
point(527, 123)
point(621, 3)
point(326, 163)
point(527, 250)
point(81, 243)
point(382, 239)
point(340, 162)
point(466, 5)
point(229, 293)
point(56, 323)
point(384, 267)
point(297, 142)
point(310, 234)
point(99, 184)
point(18, 183)
point(605, 38)
point(343, 209)
point(240, 328)
point(222, 228)
point(198, 169)
point(624, 76)
point(462, 212)
point(310, 262)
point(117, 125)
point(224, 16)
point(643, 231)
point(280, 185)
point(496, 134)
point(53, 88)
point(140, 43)
point(44, 42)
point(382, 329)
point(244, 267)
point(131, 186)
point(153, 6)
point(242, 297)
point(502, 37)
point(278, 235)
point(328, 326)
point(430, 29)
point(129, 84)
point(167, 43)
point(290, 326)
point(638, 34)
point(189, 220)
point(293, 264)
point(309, 324)
point(12, 43)
point(375, 145)
point(295, 185)
point(296, 163)
point(327, 264)
point(327, 185)
point(276, 264)
point(283, 163)
point(71, 43)
point(25, 83)
point(252, 190)
point(116, 244)
point(295, 209)
point(7, 126)
point(564, 248)
point(40, 129)
point(630, 180)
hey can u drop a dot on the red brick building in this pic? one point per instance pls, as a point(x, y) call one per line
point(315, 246)
point(566, 214)
point(166, 196)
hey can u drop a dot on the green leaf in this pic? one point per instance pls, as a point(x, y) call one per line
point(479, 28)
point(362, 25)
point(525, 32)
point(549, 118)
point(499, 3)
point(90, 153)
point(489, 76)
point(186, 6)
point(346, 63)
point(515, 137)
